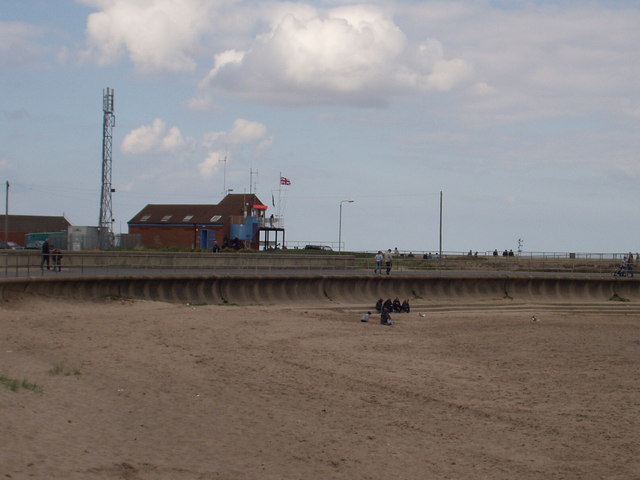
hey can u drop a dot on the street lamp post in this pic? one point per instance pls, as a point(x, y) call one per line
point(340, 224)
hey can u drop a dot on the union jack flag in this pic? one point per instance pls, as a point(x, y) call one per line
point(285, 181)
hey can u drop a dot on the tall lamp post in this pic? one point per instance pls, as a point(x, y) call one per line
point(340, 226)
point(6, 218)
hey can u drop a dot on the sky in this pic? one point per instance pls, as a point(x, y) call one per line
point(522, 116)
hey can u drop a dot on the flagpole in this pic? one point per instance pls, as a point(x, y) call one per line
point(279, 210)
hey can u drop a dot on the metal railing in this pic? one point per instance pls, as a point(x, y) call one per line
point(573, 265)
point(28, 263)
point(264, 222)
point(621, 256)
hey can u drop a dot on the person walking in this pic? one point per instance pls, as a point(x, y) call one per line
point(387, 260)
point(379, 257)
point(45, 255)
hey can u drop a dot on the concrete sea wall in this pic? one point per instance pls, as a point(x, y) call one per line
point(271, 289)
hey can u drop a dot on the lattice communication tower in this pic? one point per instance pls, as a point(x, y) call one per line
point(105, 226)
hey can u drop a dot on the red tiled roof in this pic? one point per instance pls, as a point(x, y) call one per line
point(231, 205)
point(35, 223)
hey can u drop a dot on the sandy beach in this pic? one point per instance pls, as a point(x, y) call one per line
point(128, 389)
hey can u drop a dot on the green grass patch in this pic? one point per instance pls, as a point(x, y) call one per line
point(14, 384)
point(617, 298)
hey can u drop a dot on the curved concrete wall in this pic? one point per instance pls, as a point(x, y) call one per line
point(257, 289)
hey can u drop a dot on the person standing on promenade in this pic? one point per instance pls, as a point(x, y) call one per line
point(45, 255)
point(387, 260)
point(379, 258)
point(56, 257)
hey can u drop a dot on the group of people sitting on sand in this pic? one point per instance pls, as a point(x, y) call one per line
point(394, 306)
point(386, 307)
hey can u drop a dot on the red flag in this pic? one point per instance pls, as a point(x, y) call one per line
point(285, 181)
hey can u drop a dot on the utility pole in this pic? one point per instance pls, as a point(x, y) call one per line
point(440, 225)
point(105, 224)
point(6, 217)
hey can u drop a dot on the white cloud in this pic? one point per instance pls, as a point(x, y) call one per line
point(243, 132)
point(534, 60)
point(155, 138)
point(166, 35)
point(278, 52)
point(537, 60)
point(228, 57)
point(156, 34)
point(173, 141)
point(210, 165)
point(355, 54)
point(246, 131)
point(159, 139)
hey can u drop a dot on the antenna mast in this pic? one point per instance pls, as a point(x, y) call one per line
point(252, 185)
point(224, 176)
point(105, 225)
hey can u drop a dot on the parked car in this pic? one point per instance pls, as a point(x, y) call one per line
point(318, 247)
point(10, 246)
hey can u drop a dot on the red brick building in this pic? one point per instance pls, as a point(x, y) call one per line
point(19, 225)
point(237, 219)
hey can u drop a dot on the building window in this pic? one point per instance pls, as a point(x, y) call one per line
point(166, 218)
point(187, 218)
point(215, 218)
point(145, 218)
